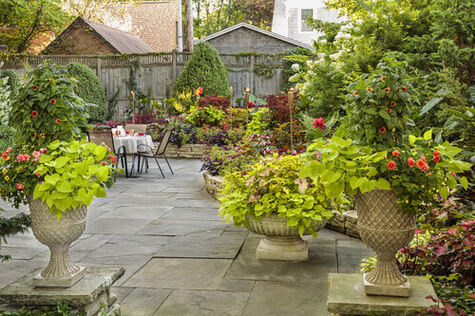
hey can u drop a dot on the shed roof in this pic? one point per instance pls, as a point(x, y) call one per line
point(119, 42)
point(256, 29)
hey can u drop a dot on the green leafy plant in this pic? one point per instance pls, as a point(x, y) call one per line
point(208, 115)
point(260, 121)
point(204, 69)
point(223, 161)
point(72, 174)
point(45, 108)
point(274, 186)
point(420, 175)
point(89, 88)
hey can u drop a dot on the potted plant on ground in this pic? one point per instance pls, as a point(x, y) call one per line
point(392, 175)
point(273, 200)
point(57, 176)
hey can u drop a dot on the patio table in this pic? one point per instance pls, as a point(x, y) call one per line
point(131, 142)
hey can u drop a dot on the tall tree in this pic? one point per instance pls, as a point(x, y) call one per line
point(21, 21)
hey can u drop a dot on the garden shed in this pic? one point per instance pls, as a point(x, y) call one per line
point(244, 37)
point(84, 37)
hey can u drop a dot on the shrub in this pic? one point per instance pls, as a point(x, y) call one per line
point(90, 89)
point(223, 160)
point(13, 80)
point(200, 116)
point(279, 106)
point(260, 121)
point(293, 56)
point(214, 100)
point(204, 69)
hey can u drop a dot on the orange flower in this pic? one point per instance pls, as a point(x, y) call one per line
point(369, 89)
point(51, 79)
point(34, 113)
point(42, 135)
point(355, 93)
point(383, 78)
point(420, 163)
point(391, 165)
point(53, 101)
point(58, 121)
point(382, 130)
point(34, 88)
point(387, 89)
point(393, 103)
point(396, 153)
point(425, 167)
point(436, 153)
point(411, 162)
point(404, 89)
point(389, 110)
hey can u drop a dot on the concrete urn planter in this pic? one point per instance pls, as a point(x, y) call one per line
point(281, 242)
point(58, 236)
point(385, 228)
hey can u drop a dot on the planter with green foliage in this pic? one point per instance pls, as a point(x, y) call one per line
point(273, 199)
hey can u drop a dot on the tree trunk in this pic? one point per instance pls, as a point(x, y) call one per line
point(189, 26)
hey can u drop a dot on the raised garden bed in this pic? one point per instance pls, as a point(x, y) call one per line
point(192, 151)
point(346, 223)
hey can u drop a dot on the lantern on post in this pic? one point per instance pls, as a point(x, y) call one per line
point(291, 105)
point(231, 106)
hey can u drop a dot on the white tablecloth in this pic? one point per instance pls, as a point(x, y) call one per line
point(131, 143)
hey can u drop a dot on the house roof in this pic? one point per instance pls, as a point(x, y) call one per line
point(155, 22)
point(118, 41)
point(256, 29)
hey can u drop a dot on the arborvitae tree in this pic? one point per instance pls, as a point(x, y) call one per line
point(204, 69)
point(90, 89)
point(11, 226)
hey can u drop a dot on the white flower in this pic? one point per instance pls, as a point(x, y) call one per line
point(310, 63)
point(323, 41)
point(294, 78)
point(320, 55)
point(295, 67)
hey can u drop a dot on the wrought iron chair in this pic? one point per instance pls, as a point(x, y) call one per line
point(105, 137)
point(148, 153)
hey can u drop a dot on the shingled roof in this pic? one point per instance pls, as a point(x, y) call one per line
point(119, 42)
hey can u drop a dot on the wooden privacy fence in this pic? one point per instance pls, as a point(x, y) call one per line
point(154, 74)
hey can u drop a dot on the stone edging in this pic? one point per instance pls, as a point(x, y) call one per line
point(195, 151)
point(345, 223)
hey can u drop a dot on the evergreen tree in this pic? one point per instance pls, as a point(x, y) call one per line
point(204, 69)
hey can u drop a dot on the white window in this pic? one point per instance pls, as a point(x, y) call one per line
point(305, 14)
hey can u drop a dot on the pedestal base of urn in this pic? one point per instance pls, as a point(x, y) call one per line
point(282, 248)
point(39, 281)
point(402, 290)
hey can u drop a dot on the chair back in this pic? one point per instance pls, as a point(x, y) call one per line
point(164, 143)
point(138, 128)
point(101, 137)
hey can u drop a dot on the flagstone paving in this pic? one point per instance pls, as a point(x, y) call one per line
point(181, 259)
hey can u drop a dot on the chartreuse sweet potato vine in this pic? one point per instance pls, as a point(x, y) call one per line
point(74, 173)
point(275, 187)
point(421, 174)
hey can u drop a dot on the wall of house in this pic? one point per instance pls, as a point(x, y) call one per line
point(246, 40)
point(156, 73)
point(79, 42)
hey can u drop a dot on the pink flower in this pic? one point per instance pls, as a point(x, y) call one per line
point(26, 157)
point(36, 154)
point(9, 150)
point(20, 186)
point(38, 174)
point(319, 123)
point(225, 126)
point(36, 159)
point(103, 162)
point(43, 150)
point(20, 157)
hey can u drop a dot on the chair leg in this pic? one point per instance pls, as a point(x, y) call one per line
point(146, 164)
point(156, 160)
point(168, 164)
point(133, 164)
point(124, 163)
point(143, 163)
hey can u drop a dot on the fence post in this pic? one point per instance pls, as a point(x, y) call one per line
point(174, 70)
point(99, 66)
point(253, 61)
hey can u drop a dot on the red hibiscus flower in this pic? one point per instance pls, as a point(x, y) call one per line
point(411, 162)
point(391, 165)
point(319, 123)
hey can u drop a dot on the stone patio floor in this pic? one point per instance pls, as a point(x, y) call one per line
point(182, 259)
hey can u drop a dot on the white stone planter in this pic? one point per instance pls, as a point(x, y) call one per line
point(58, 236)
point(386, 229)
point(281, 242)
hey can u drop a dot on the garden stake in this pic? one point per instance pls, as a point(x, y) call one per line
point(231, 106)
point(246, 100)
point(291, 103)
